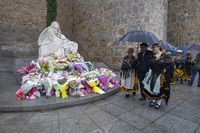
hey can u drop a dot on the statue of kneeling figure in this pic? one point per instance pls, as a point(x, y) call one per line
point(52, 41)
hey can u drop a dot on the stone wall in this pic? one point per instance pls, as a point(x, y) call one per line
point(99, 24)
point(183, 22)
point(18, 41)
point(30, 13)
point(64, 17)
point(22, 21)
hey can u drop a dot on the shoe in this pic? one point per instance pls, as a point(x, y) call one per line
point(181, 81)
point(134, 93)
point(127, 95)
point(142, 99)
point(172, 83)
point(151, 104)
point(157, 106)
point(198, 85)
point(190, 84)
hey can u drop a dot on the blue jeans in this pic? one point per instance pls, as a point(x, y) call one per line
point(195, 70)
point(141, 76)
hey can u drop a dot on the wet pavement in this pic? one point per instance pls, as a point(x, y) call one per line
point(114, 114)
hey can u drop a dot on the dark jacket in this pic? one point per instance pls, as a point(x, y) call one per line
point(144, 61)
point(197, 61)
point(128, 64)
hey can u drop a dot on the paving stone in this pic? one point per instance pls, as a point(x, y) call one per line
point(194, 101)
point(128, 104)
point(120, 94)
point(188, 114)
point(43, 103)
point(89, 108)
point(156, 128)
point(96, 131)
point(187, 105)
point(11, 129)
point(178, 124)
point(120, 127)
point(70, 112)
point(43, 116)
point(198, 131)
point(183, 94)
point(43, 127)
point(152, 112)
point(103, 118)
point(14, 119)
point(101, 103)
point(113, 109)
point(134, 120)
point(77, 125)
point(172, 103)
point(113, 98)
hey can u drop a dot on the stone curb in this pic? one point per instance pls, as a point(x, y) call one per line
point(54, 103)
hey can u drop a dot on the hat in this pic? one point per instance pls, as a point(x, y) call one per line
point(143, 44)
point(179, 51)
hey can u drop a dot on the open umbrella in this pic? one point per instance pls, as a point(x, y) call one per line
point(165, 45)
point(139, 36)
point(195, 47)
point(184, 48)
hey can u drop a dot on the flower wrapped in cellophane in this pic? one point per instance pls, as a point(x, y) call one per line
point(61, 76)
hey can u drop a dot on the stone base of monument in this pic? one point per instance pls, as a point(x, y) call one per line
point(10, 82)
point(52, 103)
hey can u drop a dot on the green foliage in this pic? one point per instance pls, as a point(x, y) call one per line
point(51, 12)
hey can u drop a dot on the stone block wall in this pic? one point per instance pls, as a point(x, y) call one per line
point(183, 22)
point(31, 13)
point(64, 18)
point(99, 24)
point(22, 21)
point(18, 41)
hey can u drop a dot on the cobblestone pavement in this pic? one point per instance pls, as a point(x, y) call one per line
point(115, 114)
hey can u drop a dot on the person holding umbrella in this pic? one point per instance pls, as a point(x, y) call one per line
point(143, 60)
point(155, 86)
point(195, 70)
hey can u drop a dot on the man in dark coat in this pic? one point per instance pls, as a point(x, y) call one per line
point(143, 59)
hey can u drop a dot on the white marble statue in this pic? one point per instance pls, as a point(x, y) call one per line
point(52, 41)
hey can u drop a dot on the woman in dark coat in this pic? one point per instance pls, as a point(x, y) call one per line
point(155, 86)
point(129, 81)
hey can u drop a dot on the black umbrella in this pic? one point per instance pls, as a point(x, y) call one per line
point(184, 48)
point(139, 36)
point(165, 45)
point(195, 47)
